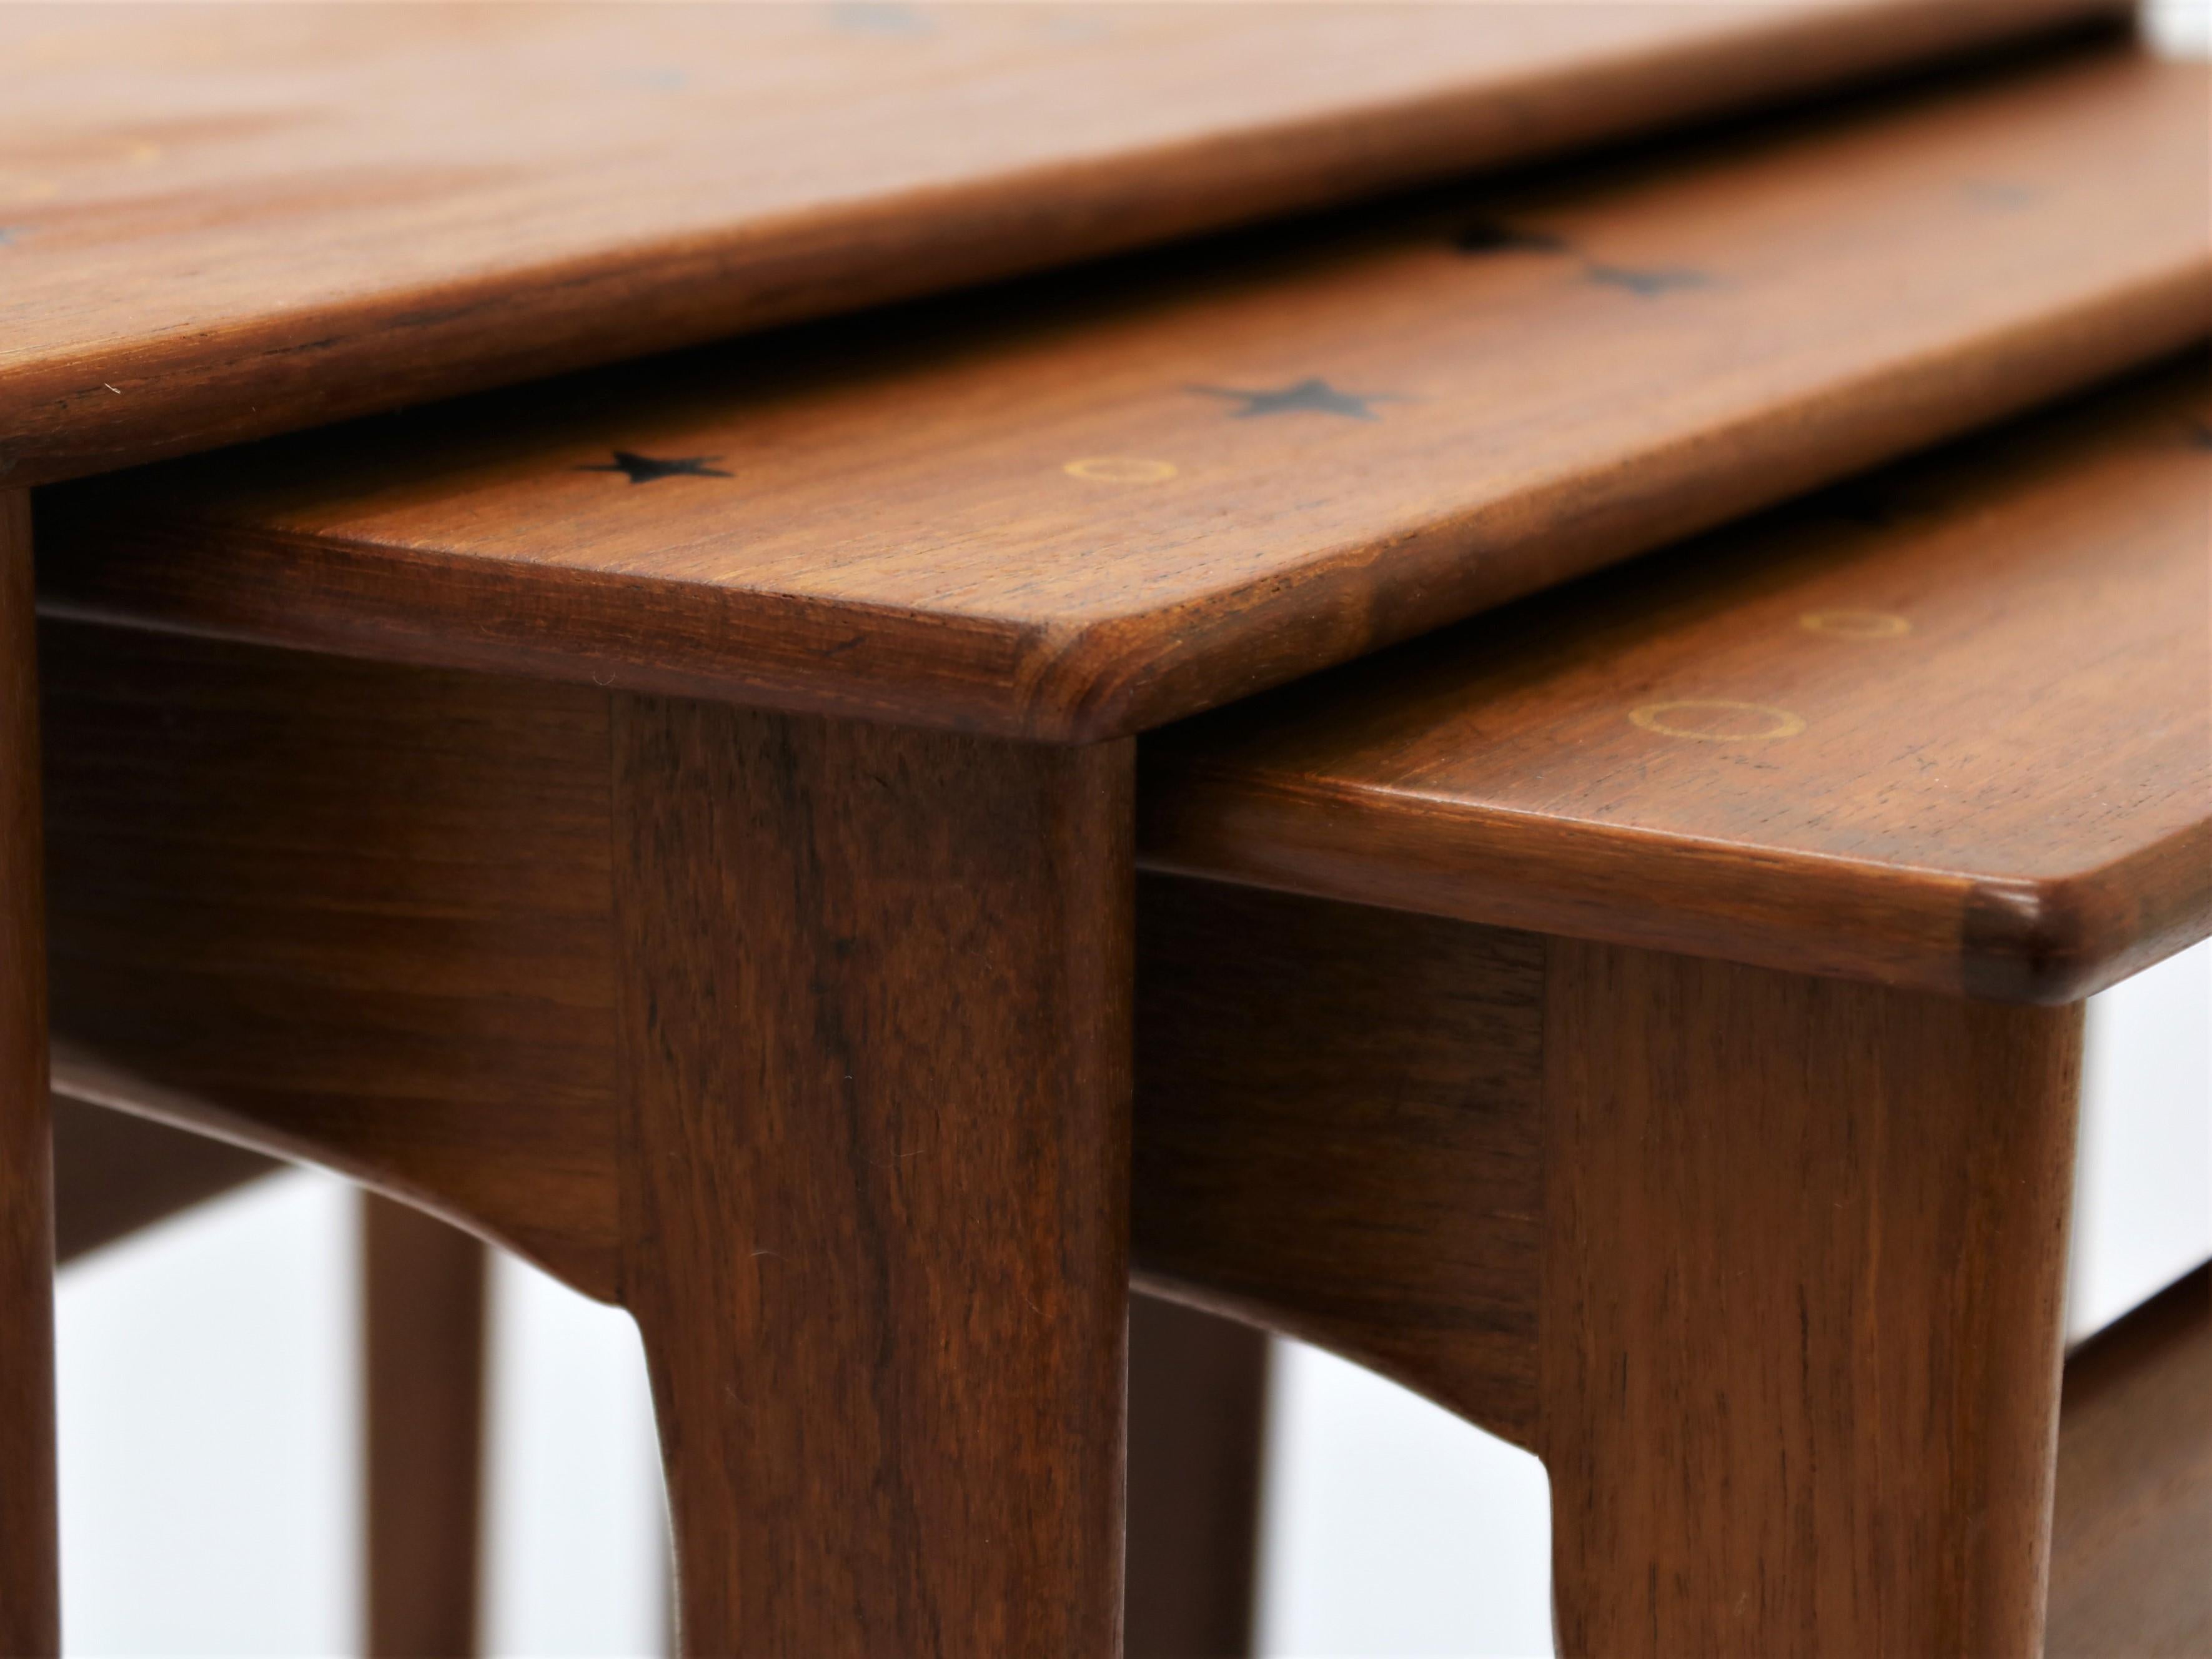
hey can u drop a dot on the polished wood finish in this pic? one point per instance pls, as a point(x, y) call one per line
point(345, 914)
point(115, 1173)
point(379, 917)
point(1379, 1126)
point(1951, 728)
point(2132, 1540)
point(1804, 1268)
point(218, 222)
point(30, 1585)
point(422, 1338)
point(1767, 1268)
point(1140, 492)
point(1338, 1134)
point(875, 1092)
point(1198, 1396)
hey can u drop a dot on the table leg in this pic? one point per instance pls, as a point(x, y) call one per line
point(874, 1044)
point(422, 1283)
point(1198, 1397)
point(30, 1594)
point(1801, 1323)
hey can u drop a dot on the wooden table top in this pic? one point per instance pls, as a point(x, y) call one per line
point(1129, 496)
point(218, 222)
point(1950, 728)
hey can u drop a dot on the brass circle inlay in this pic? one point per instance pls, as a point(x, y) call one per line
point(1718, 719)
point(21, 193)
point(1848, 624)
point(1120, 469)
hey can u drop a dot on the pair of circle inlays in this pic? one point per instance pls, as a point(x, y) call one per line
point(1718, 719)
point(1726, 720)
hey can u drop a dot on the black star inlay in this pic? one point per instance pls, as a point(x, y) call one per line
point(644, 468)
point(1648, 283)
point(1490, 236)
point(2200, 434)
point(1315, 396)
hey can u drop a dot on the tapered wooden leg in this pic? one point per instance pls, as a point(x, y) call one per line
point(874, 1028)
point(1198, 1396)
point(423, 1333)
point(30, 1594)
point(1801, 1331)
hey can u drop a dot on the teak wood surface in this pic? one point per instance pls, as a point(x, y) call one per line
point(1198, 1393)
point(30, 1586)
point(825, 1077)
point(1803, 1288)
point(1767, 1268)
point(1149, 490)
point(423, 1339)
point(1350, 1129)
point(399, 882)
point(1950, 728)
point(873, 1087)
point(2133, 1532)
point(218, 222)
point(523, 952)
point(369, 913)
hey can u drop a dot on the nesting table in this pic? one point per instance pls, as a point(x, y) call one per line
point(683, 823)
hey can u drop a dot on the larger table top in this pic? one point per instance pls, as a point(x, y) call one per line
point(1153, 489)
point(218, 222)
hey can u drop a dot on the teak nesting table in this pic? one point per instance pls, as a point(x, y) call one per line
point(218, 222)
point(684, 824)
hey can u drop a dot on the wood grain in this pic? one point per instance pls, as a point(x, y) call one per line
point(115, 1173)
point(343, 913)
point(1972, 706)
point(1198, 1400)
point(30, 1581)
point(2133, 1531)
point(218, 221)
point(1805, 1251)
point(875, 1021)
point(423, 1344)
point(1056, 514)
point(1338, 1134)
point(266, 850)
point(1766, 1266)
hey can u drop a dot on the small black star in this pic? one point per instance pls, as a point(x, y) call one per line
point(1490, 236)
point(1317, 396)
point(1648, 283)
point(2200, 434)
point(644, 468)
